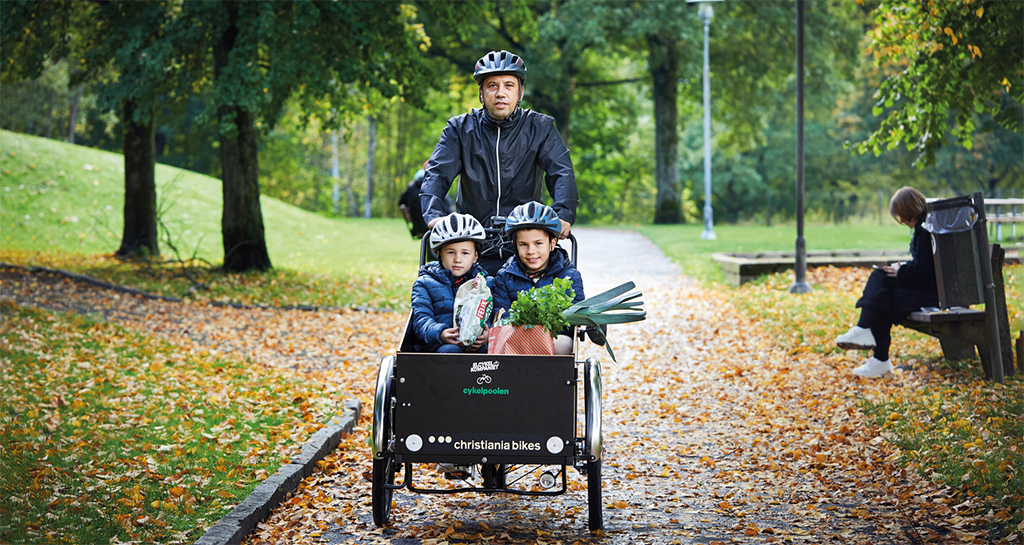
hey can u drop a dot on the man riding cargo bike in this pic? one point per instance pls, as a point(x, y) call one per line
point(513, 416)
point(503, 155)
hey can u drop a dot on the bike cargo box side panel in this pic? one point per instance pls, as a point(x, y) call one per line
point(493, 405)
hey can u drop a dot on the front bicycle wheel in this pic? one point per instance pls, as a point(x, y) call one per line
point(383, 473)
point(384, 466)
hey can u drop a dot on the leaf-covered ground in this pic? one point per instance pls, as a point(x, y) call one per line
point(147, 421)
point(719, 428)
point(728, 418)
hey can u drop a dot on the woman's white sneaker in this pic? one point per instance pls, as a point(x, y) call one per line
point(857, 338)
point(874, 368)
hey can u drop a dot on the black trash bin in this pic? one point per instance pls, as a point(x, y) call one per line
point(958, 274)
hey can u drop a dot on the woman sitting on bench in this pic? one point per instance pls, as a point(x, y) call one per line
point(896, 290)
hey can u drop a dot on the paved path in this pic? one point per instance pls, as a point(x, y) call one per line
point(608, 257)
point(686, 459)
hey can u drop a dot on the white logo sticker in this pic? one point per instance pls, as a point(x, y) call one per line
point(484, 366)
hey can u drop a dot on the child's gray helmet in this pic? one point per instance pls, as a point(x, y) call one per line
point(533, 215)
point(457, 228)
point(499, 62)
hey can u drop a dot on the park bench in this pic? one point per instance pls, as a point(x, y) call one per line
point(968, 271)
point(1005, 212)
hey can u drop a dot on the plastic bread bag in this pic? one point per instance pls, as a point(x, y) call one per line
point(472, 307)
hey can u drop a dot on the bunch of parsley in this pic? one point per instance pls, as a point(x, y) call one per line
point(544, 306)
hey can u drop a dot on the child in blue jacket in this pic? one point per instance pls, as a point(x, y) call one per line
point(534, 229)
point(456, 240)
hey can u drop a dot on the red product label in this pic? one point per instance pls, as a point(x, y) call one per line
point(481, 310)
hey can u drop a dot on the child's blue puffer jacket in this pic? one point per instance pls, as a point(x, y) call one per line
point(433, 304)
point(511, 280)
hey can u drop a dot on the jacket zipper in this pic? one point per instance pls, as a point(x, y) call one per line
point(497, 161)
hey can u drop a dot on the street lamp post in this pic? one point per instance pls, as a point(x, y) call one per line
point(707, 13)
point(800, 284)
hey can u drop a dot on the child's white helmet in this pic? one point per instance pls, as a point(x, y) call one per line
point(456, 228)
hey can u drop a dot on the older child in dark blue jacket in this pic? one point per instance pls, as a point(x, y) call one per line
point(456, 239)
point(538, 261)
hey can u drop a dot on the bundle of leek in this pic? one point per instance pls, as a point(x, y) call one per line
point(614, 306)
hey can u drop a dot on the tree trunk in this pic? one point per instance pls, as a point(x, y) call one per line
point(49, 123)
point(397, 182)
point(140, 233)
point(245, 245)
point(664, 65)
point(72, 117)
point(369, 166)
point(353, 209)
point(559, 108)
point(335, 174)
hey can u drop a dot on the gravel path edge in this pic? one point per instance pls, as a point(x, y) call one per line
point(242, 520)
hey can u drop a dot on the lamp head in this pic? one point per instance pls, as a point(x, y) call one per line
point(706, 12)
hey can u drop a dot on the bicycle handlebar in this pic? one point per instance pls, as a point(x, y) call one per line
point(494, 233)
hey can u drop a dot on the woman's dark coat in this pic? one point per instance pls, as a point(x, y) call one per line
point(913, 287)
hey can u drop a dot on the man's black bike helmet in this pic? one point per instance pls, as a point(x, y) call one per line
point(499, 62)
point(533, 215)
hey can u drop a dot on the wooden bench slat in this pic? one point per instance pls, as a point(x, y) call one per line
point(951, 315)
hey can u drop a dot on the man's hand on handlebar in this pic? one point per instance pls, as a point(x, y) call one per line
point(564, 234)
point(566, 227)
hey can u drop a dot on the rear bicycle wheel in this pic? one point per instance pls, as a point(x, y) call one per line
point(595, 513)
point(493, 475)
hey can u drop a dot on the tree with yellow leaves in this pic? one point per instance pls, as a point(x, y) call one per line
point(949, 60)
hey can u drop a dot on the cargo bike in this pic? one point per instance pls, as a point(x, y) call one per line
point(513, 418)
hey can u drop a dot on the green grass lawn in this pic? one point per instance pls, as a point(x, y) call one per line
point(66, 199)
point(682, 243)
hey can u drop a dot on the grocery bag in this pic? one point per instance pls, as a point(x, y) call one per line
point(520, 339)
point(472, 308)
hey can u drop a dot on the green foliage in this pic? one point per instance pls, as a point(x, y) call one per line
point(947, 62)
point(614, 306)
point(586, 69)
point(332, 57)
point(33, 32)
point(543, 306)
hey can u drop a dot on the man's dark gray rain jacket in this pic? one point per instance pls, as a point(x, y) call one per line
point(526, 146)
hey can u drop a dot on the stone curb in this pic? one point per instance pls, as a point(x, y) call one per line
point(257, 507)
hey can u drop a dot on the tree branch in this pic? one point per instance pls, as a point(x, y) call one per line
point(502, 29)
point(613, 82)
point(460, 63)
